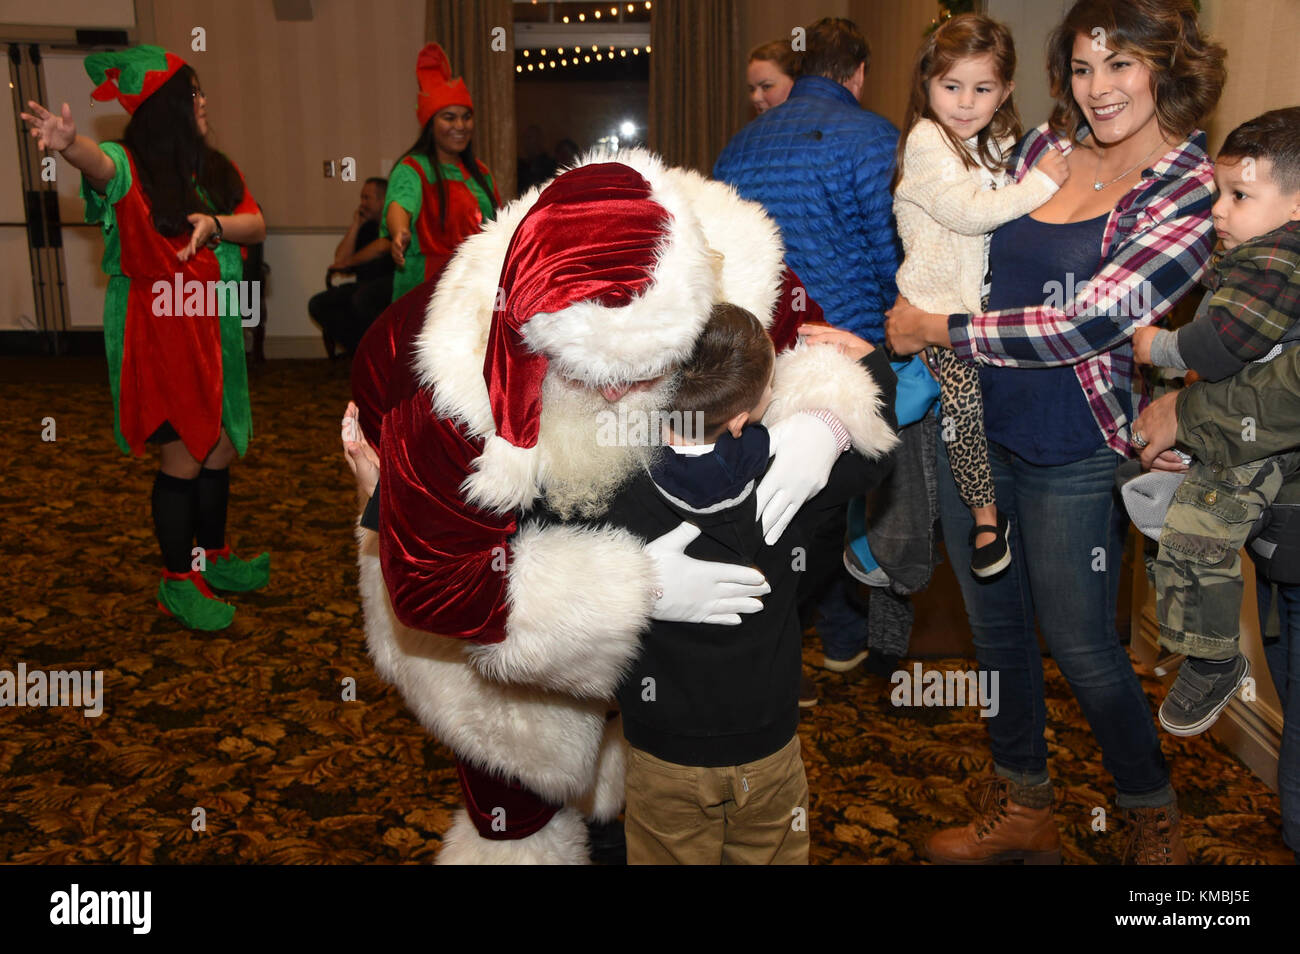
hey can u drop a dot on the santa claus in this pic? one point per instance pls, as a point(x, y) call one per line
point(495, 599)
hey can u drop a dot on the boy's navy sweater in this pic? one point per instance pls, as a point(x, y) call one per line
point(703, 694)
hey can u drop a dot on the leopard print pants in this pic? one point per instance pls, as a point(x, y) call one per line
point(962, 427)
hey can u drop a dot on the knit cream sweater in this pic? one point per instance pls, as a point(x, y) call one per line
point(944, 213)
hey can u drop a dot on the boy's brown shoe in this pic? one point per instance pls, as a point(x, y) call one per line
point(1003, 829)
point(1155, 836)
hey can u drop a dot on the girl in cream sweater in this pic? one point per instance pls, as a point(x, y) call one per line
point(950, 190)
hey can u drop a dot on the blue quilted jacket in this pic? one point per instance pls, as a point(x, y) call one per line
point(821, 164)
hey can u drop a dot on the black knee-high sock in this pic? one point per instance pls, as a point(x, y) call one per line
point(210, 507)
point(173, 519)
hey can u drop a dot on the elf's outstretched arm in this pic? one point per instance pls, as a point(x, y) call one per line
point(59, 133)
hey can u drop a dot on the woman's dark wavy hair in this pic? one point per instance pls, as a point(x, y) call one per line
point(173, 160)
point(426, 145)
point(967, 34)
point(1187, 72)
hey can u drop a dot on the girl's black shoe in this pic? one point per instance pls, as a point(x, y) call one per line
point(991, 559)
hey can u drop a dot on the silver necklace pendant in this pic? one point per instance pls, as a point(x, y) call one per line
point(1098, 186)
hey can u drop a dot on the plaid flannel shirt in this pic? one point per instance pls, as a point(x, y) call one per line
point(1255, 298)
point(1155, 247)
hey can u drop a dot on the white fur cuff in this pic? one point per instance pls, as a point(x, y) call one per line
point(563, 841)
point(809, 377)
point(578, 600)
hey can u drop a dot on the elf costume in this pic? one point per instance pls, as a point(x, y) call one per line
point(506, 626)
point(175, 351)
point(413, 184)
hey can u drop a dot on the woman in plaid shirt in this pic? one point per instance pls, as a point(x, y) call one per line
point(1121, 242)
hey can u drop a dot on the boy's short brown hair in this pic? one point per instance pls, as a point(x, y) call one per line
point(727, 372)
point(1274, 136)
point(835, 47)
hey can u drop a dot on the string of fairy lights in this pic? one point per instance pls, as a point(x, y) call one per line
point(579, 55)
point(574, 56)
point(595, 15)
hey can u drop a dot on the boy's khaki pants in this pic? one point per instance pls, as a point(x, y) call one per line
point(754, 814)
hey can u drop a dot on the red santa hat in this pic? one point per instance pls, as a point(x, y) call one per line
point(607, 279)
point(437, 89)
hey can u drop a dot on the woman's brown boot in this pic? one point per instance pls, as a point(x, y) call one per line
point(1013, 823)
point(1155, 836)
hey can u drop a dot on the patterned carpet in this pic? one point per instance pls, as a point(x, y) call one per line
point(250, 725)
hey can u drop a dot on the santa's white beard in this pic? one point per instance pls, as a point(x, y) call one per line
point(580, 475)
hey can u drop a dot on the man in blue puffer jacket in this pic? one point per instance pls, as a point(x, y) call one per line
point(821, 164)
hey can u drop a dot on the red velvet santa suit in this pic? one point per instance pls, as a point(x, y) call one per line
point(536, 619)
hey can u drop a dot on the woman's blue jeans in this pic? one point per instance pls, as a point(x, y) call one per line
point(1067, 540)
point(1283, 657)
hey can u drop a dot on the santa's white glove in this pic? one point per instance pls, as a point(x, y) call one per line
point(697, 591)
point(806, 449)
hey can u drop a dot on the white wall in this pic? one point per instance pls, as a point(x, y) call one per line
point(69, 13)
point(298, 261)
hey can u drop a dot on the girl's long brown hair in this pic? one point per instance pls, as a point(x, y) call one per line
point(965, 35)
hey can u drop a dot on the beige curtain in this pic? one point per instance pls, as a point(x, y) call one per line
point(468, 30)
point(697, 80)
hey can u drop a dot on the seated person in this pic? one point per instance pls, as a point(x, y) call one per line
point(715, 773)
point(344, 312)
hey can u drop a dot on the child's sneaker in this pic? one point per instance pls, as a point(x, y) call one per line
point(862, 566)
point(991, 559)
point(225, 571)
point(858, 559)
point(1200, 693)
point(188, 598)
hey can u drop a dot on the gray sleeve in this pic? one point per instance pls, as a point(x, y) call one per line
point(1165, 353)
point(1205, 352)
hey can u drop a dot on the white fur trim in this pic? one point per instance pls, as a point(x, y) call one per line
point(747, 238)
point(549, 741)
point(579, 599)
point(599, 345)
point(819, 376)
point(605, 800)
point(451, 346)
point(562, 841)
point(505, 477)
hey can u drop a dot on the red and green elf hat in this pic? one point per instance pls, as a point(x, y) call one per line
point(131, 76)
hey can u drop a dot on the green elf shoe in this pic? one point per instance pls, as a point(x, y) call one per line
point(188, 598)
point(225, 571)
